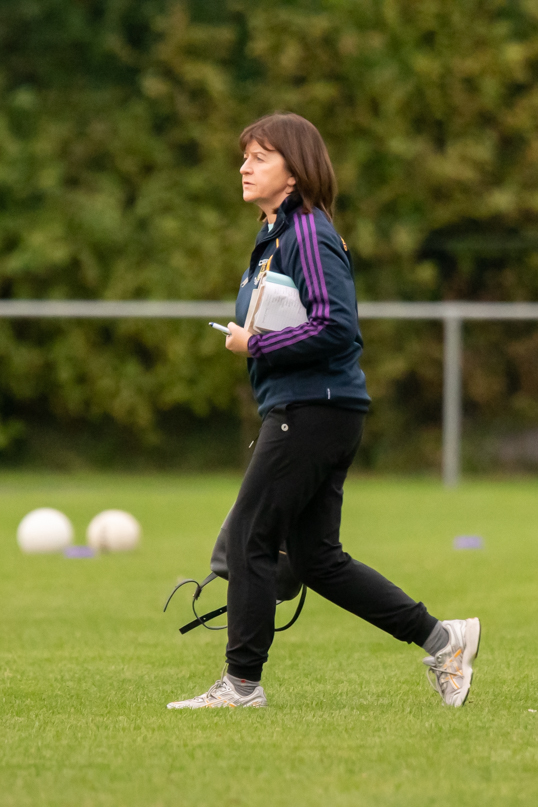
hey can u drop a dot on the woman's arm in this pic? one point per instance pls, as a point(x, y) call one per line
point(317, 261)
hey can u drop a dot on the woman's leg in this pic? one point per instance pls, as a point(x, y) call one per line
point(283, 475)
point(293, 488)
point(317, 558)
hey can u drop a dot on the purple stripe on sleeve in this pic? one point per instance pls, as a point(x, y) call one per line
point(324, 293)
point(299, 333)
point(318, 307)
point(254, 347)
point(292, 340)
point(301, 253)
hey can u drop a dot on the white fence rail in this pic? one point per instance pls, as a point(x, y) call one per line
point(113, 309)
point(453, 315)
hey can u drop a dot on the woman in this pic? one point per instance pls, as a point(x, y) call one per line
point(312, 397)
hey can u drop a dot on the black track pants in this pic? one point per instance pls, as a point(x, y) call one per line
point(293, 488)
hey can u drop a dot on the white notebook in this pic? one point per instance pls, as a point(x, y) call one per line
point(275, 305)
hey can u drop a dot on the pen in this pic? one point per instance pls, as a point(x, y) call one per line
point(220, 328)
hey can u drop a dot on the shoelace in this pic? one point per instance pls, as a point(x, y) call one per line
point(212, 692)
point(440, 677)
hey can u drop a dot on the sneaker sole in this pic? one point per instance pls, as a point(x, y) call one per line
point(472, 646)
point(253, 705)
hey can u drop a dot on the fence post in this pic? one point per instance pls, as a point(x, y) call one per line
point(452, 400)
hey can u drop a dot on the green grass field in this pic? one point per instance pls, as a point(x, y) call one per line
point(89, 661)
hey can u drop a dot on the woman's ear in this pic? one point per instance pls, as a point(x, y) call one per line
point(292, 182)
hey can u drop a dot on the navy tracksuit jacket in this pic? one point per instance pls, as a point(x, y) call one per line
point(317, 361)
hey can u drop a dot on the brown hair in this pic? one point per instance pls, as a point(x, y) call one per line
point(305, 154)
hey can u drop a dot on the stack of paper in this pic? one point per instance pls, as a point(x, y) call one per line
point(275, 305)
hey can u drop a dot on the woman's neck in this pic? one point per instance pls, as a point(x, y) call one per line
point(270, 208)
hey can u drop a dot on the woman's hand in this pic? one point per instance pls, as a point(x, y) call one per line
point(237, 342)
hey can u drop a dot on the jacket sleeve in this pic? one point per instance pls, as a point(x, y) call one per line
point(314, 257)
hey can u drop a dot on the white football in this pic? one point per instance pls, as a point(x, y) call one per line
point(44, 530)
point(113, 531)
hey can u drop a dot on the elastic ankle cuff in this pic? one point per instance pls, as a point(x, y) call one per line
point(248, 673)
point(424, 629)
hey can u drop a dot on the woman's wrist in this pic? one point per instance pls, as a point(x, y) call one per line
point(238, 340)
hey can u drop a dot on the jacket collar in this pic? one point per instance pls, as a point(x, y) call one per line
point(288, 206)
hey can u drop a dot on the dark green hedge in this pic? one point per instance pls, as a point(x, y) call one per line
point(119, 180)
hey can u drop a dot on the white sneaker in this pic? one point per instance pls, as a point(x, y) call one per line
point(450, 672)
point(222, 693)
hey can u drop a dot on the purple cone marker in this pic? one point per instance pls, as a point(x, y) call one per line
point(468, 542)
point(79, 552)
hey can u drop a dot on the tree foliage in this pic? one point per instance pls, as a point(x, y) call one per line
point(118, 180)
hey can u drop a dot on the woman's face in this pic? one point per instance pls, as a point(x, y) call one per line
point(266, 178)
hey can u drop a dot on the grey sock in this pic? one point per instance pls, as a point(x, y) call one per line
point(438, 638)
point(241, 685)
